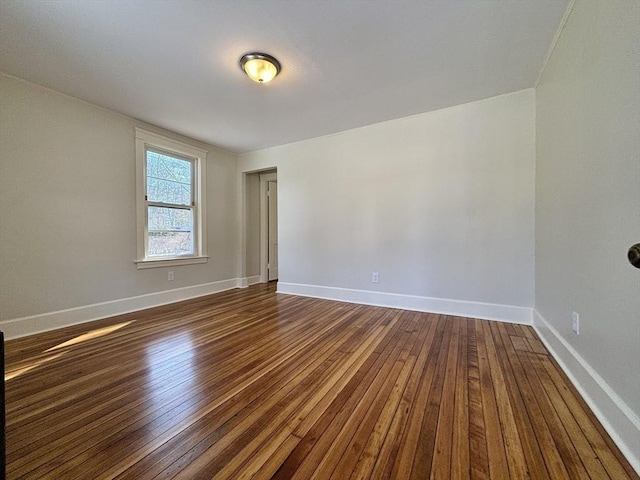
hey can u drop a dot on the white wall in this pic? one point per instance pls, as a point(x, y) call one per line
point(67, 208)
point(588, 208)
point(440, 204)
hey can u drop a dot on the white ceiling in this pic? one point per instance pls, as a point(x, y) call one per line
point(345, 64)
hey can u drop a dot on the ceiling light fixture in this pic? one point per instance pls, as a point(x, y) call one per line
point(260, 67)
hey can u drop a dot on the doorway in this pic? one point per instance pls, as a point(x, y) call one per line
point(268, 227)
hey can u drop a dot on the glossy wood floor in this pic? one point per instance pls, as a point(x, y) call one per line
point(250, 384)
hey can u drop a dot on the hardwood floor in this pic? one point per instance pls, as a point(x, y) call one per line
point(250, 384)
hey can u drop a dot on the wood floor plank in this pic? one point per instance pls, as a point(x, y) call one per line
point(586, 454)
point(512, 442)
point(404, 461)
point(533, 457)
point(344, 409)
point(391, 448)
point(424, 448)
point(363, 426)
point(479, 460)
point(564, 446)
point(460, 461)
point(250, 384)
point(109, 428)
point(250, 398)
point(597, 438)
point(270, 391)
point(496, 454)
point(443, 447)
point(538, 430)
point(257, 376)
point(285, 417)
point(324, 413)
point(373, 448)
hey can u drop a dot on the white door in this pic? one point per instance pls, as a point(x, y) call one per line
point(272, 195)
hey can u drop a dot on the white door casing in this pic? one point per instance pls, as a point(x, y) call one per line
point(272, 197)
point(265, 179)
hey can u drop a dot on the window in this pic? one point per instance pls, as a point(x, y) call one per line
point(170, 201)
point(170, 204)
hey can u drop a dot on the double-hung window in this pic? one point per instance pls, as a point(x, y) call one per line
point(170, 201)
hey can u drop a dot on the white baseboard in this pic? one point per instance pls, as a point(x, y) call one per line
point(620, 422)
point(248, 281)
point(485, 311)
point(21, 327)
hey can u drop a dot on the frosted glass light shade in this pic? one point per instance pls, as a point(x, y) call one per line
point(260, 67)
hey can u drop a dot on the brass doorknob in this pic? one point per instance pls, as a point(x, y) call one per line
point(634, 255)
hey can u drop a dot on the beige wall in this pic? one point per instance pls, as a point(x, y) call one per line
point(588, 205)
point(441, 205)
point(67, 206)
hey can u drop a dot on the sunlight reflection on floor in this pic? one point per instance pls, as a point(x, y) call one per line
point(100, 332)
point(171, 373)
point(16, 373)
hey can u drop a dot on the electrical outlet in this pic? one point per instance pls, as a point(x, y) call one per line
point(375, 278)
point(575, 323)
point(170, 276)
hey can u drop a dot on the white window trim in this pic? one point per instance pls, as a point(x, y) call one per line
point(146, 139)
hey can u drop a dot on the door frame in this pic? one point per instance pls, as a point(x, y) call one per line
point(264, 224)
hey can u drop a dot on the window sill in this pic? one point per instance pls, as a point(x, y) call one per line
point(170, 262)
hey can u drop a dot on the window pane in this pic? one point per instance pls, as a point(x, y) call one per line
point(168, 179)
point(170, 231)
